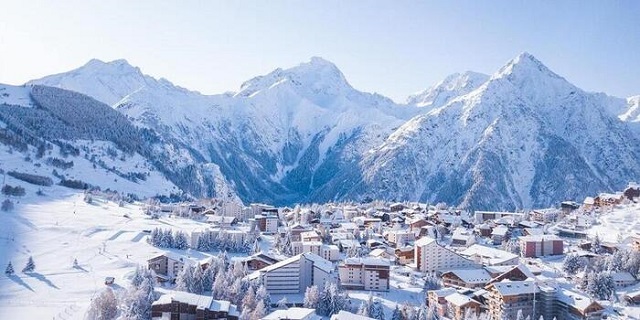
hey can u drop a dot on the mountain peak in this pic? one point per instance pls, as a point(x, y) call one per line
point(115, 66)
point(525, 64)
point(318, 76)
point(452, 86)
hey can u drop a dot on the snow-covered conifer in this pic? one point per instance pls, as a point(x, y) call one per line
point(30, 266)
point(9, 270)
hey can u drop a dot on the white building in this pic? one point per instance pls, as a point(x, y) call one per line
point(432, 257)
point(329, 252)
point(400, 237)
point(271, 224)
point(233, 209)
point(365, 274)
point(294, 275)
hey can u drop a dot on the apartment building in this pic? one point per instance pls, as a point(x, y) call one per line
point(508, 297)
point(432, 257)
point(369, 274)
point(294, 275)
point(541, 245)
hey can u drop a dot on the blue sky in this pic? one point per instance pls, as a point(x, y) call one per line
point(394, 48)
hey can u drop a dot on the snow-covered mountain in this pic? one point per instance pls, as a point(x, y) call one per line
point(523, 137)
point(451, 87)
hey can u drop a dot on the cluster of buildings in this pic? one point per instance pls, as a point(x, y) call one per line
point(482, 258)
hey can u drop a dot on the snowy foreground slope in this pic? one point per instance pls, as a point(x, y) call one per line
point(521, 138)
point(56, 229)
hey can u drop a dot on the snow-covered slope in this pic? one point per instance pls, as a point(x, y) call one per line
point(524, 138)
point(451, 87)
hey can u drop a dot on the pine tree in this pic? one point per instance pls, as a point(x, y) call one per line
point(363, 310)
point(264, 296)
point(249, 300)
point(75, 263)
point(180, 241)
point(596, 245)
point(30, 267)
point(9, 270)
point(376, 310)
point(184, 280)
point(260, 311)
point(572, 263)
point(311, 297)
point(255, 249)
point(104, 306)
point(218, 288)
point(397, 314)
point(197, 283)
point(519, 315)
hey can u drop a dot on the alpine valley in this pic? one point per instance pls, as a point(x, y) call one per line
point(523, 137)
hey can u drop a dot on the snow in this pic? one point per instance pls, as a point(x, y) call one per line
point(291, 313)
point(15, 95)
point(56, 229)
point(510, 288)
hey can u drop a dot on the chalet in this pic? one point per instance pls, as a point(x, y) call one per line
point(404, 255)
point(436, 300)
point(462, 237)
point(184, 305)
point(633, 297)
point(623, 279)
point(509, 273)
point(466, 278)
point(608, 199)
point(399, 238)
point(482, 216)
point(573, 305)
point(588, 203)
point(311, 235)
point(259, 261)
point(221, 221)
point(167, 266)
point(461, 305)
point(499, 234)
point(296, 230)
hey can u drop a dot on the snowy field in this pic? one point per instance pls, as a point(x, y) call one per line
point(56, 229)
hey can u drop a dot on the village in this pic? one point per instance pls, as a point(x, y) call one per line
point(398, 260)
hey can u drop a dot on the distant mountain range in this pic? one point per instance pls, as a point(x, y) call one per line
point(523, 137)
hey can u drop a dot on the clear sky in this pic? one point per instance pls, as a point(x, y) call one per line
point(394, 48)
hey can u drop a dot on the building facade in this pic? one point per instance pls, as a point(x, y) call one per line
point(370, 274)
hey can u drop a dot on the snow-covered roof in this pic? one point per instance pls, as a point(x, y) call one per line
point(377, 252)
point(623, 276)
point(489, 255)
point(291, 314)
point(589, 201)
point(368, 261)
point(544, 237)
point(443, 292)
point(472, 276)
point(511, 288)
point(424, 241)
point(200, 301)
point(458, 299)
point(500, 231)
point(345, 315)
point(572, 298)
point(319, 262)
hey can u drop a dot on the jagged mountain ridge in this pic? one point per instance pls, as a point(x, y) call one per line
point(304, 134)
